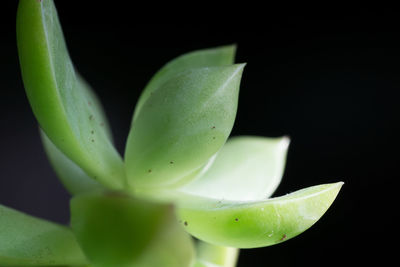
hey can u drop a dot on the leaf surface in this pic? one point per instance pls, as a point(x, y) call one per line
point(210, 255)
point(74, 179)
point(218, 56)
point(181, 126)
point(30, 241)
point(115, 229)
point(246, 168)
point(250, 224)
point(65, 106)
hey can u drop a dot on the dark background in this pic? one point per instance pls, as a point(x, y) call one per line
point(330, 81)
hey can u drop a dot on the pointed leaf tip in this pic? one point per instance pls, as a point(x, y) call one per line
point(246, 168)
point(251, 224)
point(210, 57)
point(182, 125)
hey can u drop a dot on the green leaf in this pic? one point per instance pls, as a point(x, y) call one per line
point(181, 126)
point(115, 229)
point(219, 256)
point(66, 108)
point(30, 241)
point(74, 179)
point(218, 56)
point(246, 168)
point(250, 224)
point(204, 264)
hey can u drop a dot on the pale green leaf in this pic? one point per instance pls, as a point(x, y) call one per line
point(212, 255)
point(218, 56)
point(115, 229)
point(64, 105)
point(250, 224)
point(74, 179)
point(200, 263)
point(246, 168)
point(181, 126)
point(30, 241)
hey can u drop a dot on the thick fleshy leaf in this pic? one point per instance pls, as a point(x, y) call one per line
point(210, 255)
point(251, 224)
point(246, 168)
point(66, 108)
point(74, 179)
point(115, 229)
point(218, 56)
point(181, 126)
point(30, 241)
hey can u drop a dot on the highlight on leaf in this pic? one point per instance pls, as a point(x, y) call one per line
point(65, 106)
point(215, 256)
point(186, 121)
point(211, 57)
point(246, 168)
point(180, 175)
point(251, 224)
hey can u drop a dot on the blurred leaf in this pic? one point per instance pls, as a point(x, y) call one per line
point(204, 264)
point(246, 168)
point(30, 241)
point(181, 126)
point(250, 224)
point(218, 56)
point(74, 179)
point(115, 229)
point(66, 108)
point(211, 255)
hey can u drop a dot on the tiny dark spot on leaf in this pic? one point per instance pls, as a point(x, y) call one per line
point(171, 162)
point(213, 137)
point(185, 223)
point(91, 117)
point(92, 140)
point(236, 219)
point(149, 171)
point(92, 132)
point(283, 237)
point(213, 127)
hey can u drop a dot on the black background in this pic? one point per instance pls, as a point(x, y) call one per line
point(330, 82)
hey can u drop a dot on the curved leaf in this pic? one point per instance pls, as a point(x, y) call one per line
point(66, 108)
point(181, 126)
point(30, 241)
point(218, 56)
point(115, 229)
point(74, 179)
point(253, 224)
point(246, 168)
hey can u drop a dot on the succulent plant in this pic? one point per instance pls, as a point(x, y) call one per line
point(181, 175)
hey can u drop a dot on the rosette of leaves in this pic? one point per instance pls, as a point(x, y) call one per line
point(181, 175)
